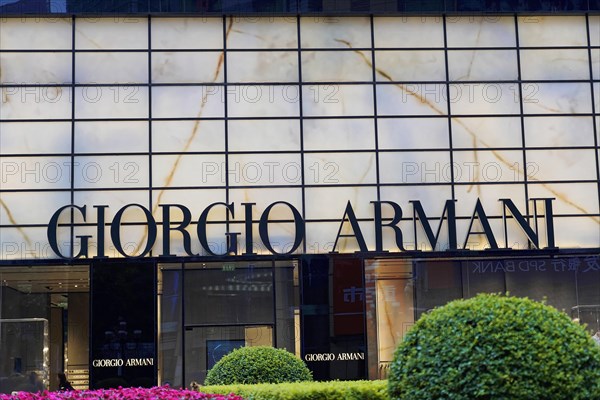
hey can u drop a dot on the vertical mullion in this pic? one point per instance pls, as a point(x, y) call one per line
point(594, 113)
point(375, 114)
point(448, 105)
point(226, 122)
point(522, 118)
point(301, 120)
point(150, 184)
point(72, 166)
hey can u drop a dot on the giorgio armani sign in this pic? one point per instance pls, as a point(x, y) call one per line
point(170, 229)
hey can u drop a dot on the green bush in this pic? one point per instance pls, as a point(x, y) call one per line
point(258, 365)
point(336, 390)
point(496, 347)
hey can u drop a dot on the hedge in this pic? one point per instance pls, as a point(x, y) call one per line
point(261, 364)
point(334, 390)
point(496, 347)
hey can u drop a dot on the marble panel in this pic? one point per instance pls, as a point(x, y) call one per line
point(432, 198)
point(562, 165)
point(555, 64)
point(488, 166)
point(35, 103)
point(187, 33)
point(133, 239)
point(108, 67)
point(482, 65)
point(337, 100)
point(408, 32)
point(594, 21)
point(264, 135)
point(188, 170)
point(35, 68)
point(188, 136)
point(517, 240)
point(272, 66)
point(115, 200)
point(576, 232)
point(415, 167)
point(111, 137)
point(188, 101)
point(262, 32)
point(410, 65)
point(111, 102)
point(335, 32)
point(596, 89)
point(339, 134)
point(336, 66)
point(320, 237)
point(263, 197)
point(111, 33)
point(24, 208)
point(25, 138)
point(486, 132)
point(488, 194)
point(412, 99)
point(187, 67)
point(268, 170)
point(27, 243)
point(35, 173)
point(548, 31)
point(484, 98)
point(112, 171)
point(330, 203)
point(196, 200)
point(413, 133)
point(570, 198)
point(595, 63)
point(556, 98)
point(35, 33)
point(481, 31)
point(263, 101)
point(559, 131)
point(339, 168)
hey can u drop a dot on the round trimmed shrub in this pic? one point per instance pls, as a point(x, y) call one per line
point(496, 347)
point(262, 364)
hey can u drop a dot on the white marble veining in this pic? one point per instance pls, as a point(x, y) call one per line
point(111, 33)
point(38, 103)
point(555, 64)
point(487, 166)
point(262, 101)
point(268, 135)
point(339, 134)
point(187, 33)
point(114, 199)
point(187, 102)
point(336, 66)
point(192, 170)
point(415, 167)
point(111, 102)
point(113, 68)
point(413, 133)
point(562, 165)
point(548, 31)
point(35, 33)
point(481, 31)
point(186, 67)
point(337, 100)
point(111, 137)
point(558, 132)
point(409, 65)
point(409, 32)
point(25, 138)
point(273, 66)
point(486, 132)
point(195, 200)
point(412, 99)
point(38, 68)
point(25, 207)
point(112, 171)
point(335, 32)
point(575, 196)
point(174, 136)
point(555, 98)
point(484, 98)
point(261, 33)
point(336, 168)
point(482, 65)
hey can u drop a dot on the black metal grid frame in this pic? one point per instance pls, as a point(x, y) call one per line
point(301, 117)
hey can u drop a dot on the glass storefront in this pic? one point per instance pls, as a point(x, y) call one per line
point(44, 327)
point(146, 322)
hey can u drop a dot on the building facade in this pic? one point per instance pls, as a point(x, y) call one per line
point(179, 179)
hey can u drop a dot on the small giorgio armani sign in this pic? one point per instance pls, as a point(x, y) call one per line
point(542, 210)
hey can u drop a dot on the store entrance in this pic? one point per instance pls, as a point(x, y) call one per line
point(208, 309)
point(44, 320)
